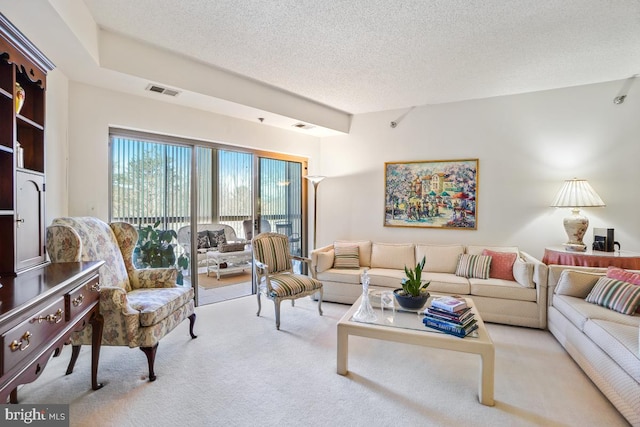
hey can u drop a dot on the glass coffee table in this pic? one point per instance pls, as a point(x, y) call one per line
point(407, 327)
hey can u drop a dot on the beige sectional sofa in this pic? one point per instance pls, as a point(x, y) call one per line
point(603, 342)
point(521, 302)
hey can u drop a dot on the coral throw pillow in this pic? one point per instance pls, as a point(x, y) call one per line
point(618, 273)
point(501, 264)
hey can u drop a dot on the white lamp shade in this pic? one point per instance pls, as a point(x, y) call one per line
point(577, 193)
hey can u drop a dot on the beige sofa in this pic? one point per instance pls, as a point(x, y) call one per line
point(521, 302)
point(603, 342)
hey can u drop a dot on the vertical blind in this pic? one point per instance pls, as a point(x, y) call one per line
point(151, 181)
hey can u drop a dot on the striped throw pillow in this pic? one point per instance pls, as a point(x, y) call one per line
point(473, 266)
point(346, 256)
point(616, 295)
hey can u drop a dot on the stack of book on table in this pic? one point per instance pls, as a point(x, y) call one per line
point(450, 315)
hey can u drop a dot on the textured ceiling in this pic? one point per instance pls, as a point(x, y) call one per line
point(372, 55)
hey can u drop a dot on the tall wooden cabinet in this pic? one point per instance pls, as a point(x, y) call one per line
point(22, 151)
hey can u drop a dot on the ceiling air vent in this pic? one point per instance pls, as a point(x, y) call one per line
point(303, 126)
point(162, 90)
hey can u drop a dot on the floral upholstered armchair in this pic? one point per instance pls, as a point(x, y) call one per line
point(274, 273)
point(139, 307)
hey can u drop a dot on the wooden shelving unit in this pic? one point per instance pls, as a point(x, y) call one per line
point(22, 186)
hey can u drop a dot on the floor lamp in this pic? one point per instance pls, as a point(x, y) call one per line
point(315, 180)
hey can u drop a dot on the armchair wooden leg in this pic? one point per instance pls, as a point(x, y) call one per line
point(259, 303)
point(75, 352)
point(192, 321)
point(150, 352)
point(320, 303)
point(276, 304)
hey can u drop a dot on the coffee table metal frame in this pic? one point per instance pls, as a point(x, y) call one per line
point(482, 345)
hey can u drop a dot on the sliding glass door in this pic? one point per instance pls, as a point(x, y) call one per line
point(165, 185)
point(280, 199)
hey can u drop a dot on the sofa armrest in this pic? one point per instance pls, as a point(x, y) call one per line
point(540, 273)
point(540, 269)
point(114, 299)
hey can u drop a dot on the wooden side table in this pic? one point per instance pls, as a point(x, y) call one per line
point(560, 256)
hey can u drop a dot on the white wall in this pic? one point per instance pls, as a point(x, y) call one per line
point(57, 145)
point(93, 110)
point(527, 145)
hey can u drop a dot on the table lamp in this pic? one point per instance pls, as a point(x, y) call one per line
point(576, 194)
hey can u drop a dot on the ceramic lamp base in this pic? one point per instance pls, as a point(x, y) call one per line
point(575, 226)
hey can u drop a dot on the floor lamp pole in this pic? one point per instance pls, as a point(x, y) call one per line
point(315, 180)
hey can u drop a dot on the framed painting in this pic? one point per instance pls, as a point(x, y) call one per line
point(431, 193)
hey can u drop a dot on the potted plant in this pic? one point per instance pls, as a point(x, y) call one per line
point(413, 295)
point(155, 248)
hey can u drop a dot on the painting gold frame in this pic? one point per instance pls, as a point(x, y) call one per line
point(431, 194)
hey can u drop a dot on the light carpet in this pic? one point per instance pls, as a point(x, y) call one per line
point(241, 371)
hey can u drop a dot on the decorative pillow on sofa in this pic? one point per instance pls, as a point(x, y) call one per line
point(217, 237)
point(473, 266)
point(576, 283)
point(203, 240)
point(501, 264)
point(364, 250)
point(346, 256)
point(617, 295)
point(523, 273)
point(624, 275)
point(325, 260)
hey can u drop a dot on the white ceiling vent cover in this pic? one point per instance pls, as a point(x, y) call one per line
point(303, 126)
point(163, 90)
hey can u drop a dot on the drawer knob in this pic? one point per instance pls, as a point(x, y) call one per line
point(95, 287)
point(51, 318)
point(15, 345)
point(77, 301)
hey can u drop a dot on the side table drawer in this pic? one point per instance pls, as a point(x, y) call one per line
point(21, 341)
point(82, 297)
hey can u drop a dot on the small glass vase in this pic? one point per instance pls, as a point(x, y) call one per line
point(365, 312)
